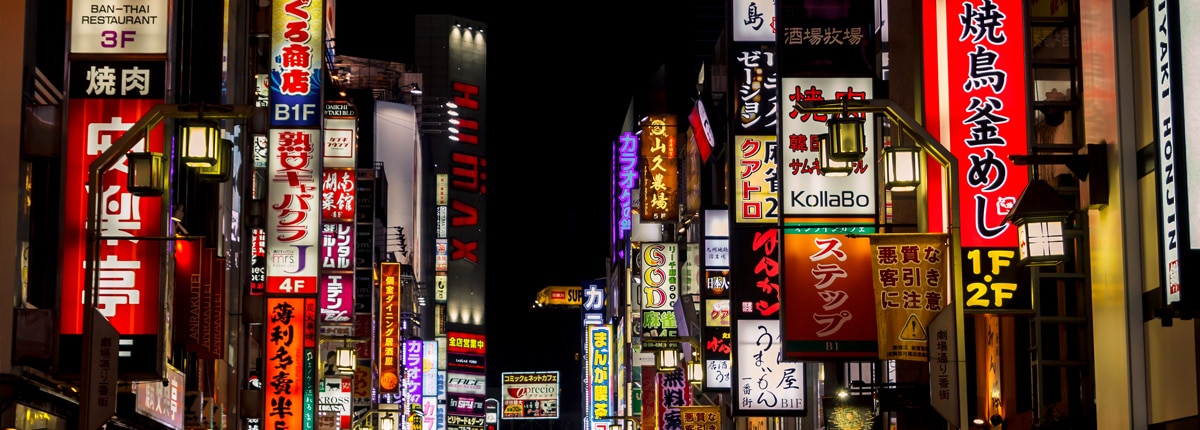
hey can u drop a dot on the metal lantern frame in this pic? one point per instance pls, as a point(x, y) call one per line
point(147, 173)
point(902, 167)
point(847, 140)
point(695, 371)
point(199, 143)
point(219, 171)
point(1040, 216)
point(829, 165)
point(666, 360)
point(344, 361)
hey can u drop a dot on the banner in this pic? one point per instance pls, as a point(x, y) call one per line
point(706, 417)
point(909, 272)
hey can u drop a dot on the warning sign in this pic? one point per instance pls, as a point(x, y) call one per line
point(913, 330)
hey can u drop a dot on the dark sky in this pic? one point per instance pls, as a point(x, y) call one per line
point(559, 82)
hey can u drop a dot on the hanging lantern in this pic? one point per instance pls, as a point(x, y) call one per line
point(695, 371)
point(199, 143)
point(345, 361)
point(666, 360)
point(219, 171)
point(1040, 216)
point(830, 166)
point(147, 173)
point(847, 138)
point(902, 168)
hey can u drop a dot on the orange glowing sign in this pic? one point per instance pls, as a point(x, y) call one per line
point(389, 328)
point(285, 363)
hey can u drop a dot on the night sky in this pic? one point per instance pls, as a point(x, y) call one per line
point(558, 90)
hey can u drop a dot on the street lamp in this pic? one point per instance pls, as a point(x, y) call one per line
point(831, 166)
point(388, 422)
point(1040, 215)
point(219, 170)
point(345, 361)
point(950, 215)
point(147, 173)
point(846, 138)
point(120, 148)
point(666, 360)
point(695, 371)
point(199, 142)
point(901, 164)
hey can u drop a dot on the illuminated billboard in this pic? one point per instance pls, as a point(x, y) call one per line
point(529, 395)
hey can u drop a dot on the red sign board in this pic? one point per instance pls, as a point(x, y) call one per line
point(984, 110)
point(337, 195)
point(467, 343)
point(285, 364)
point(129, 268)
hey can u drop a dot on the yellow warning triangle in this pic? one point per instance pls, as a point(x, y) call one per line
point(913, 330)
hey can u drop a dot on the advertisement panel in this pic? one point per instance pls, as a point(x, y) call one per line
point(592, 305)
point(755, 88)
point(161, 403)
point(529, 395)
point(465, 405)
point(660, 276)
point(659, 169)
point(753, 21)
point(706, 417)
point(560, 295)
point(830, 41)
point(672, 392)
point(284, 394)
point(766, 384)
point(106, 98)
point(337, 246)
point(119, 26)
point(755, 179)
point(338, 195)
point(828, 297)
point(429, 373)
point(297, 50)
point(806, 190)
point(414, 354)
point(625, 153)
point(335, 398)
point(258, 261)
point(389, 328)
point(600, 372)
point(341, 143)
point(981, 95)
point(466, 383)
point(337, 299)
point(294, 218)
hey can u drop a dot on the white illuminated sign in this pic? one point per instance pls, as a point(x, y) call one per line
point(119, 27)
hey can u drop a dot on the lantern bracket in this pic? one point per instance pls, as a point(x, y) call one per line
point(1092, 164)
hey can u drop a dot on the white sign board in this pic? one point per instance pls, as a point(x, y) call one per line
point(119, 27)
